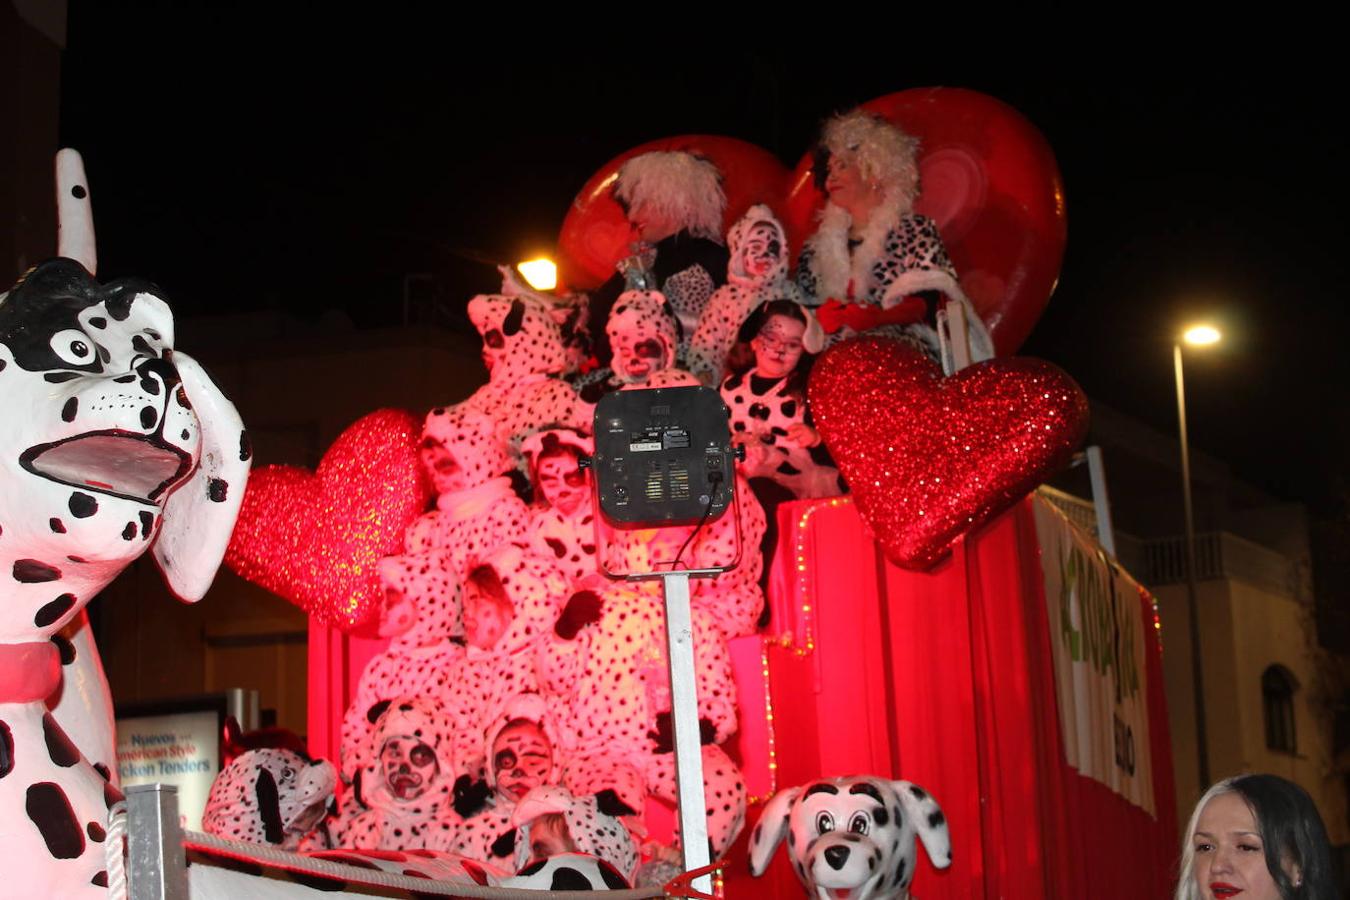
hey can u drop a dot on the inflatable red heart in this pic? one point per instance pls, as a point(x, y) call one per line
point(929, 458)
point(991, 183)
point(315, 537)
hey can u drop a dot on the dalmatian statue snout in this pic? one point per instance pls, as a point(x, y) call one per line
point(852, 838)
point(112, 443)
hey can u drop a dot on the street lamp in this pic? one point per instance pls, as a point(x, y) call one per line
point(1195, 336)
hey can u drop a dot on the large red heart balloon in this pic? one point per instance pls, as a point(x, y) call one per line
point(315, 537)
point(991, 183)
point(595, 235)
point(929, 458)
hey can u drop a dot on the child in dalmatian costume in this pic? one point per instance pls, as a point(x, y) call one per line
point(520, 751)
point(643, 337)
point(769, 416)
point(525, 358)
point(408, 781)
point(422, 620)
point(871, 248)
point(562, 523)
point(551, 821)
point(271, 796)
point(757, 273)
point(112, 446)
point(510, 603)
point(609, 681)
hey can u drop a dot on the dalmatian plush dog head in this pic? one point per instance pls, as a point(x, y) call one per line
point(549, 820)
point(114, 443)
point(852, 837)
point(460, 449)
point(270, 796)
point(520, 336)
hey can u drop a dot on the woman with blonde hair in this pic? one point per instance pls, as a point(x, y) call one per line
point(1258, 837)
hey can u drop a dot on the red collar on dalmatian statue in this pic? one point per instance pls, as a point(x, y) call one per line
point(29, 672)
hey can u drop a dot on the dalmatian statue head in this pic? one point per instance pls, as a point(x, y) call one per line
point(642, 332)
point(521, 336)
point(550, 821)
point(114, 443)
point(460, 449)
point(852, 837)
point(270, 796)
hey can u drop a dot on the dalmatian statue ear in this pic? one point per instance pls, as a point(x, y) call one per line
point(772, 828)
point(929, 821)
point(199, 515)
point(74, 211)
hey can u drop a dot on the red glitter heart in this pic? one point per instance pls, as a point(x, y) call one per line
point(315, 537)
point(929, 458)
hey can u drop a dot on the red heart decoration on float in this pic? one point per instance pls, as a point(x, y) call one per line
point(595, 234)
point(991, 183)
point(314, 538)
point(928, 458)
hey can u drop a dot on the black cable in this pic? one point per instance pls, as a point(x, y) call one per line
point(714, 478)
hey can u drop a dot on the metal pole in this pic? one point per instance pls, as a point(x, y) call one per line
point(1193, 604)
point(1101, 501)
point(684, 720)
point(156, 868)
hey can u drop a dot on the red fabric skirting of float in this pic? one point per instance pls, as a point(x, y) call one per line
point(945, 679)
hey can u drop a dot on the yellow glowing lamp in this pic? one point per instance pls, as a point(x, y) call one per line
point(540, 274)
point(1201, 335)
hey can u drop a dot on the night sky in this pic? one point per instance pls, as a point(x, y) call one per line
point(248, 165)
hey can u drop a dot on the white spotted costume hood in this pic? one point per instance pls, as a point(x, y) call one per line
point(733, 303)
point(643, 315)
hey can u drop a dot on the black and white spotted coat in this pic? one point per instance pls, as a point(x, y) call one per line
point(762, 411)
point(269, 796)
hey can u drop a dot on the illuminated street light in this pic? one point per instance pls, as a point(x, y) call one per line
point(1196, 336)
point(1201, 335)
point(540, 274)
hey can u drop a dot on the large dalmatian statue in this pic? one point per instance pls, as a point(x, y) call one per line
point(113, 444)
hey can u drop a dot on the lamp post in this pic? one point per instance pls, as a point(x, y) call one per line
point(1196, 336)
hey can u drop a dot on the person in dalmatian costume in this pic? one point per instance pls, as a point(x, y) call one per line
point(510, 604)
point(524, 353)
point(769, 415)
point(550, 821)
point(271, 796)
point(644, 339)
point(114, 445)
point(407, 784)
point(757, 273)
point(874, 263)
point(674, 202)
point(562, 523)
point(608, 679)
point(520, 749)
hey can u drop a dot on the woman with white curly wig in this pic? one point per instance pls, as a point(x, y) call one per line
point(871, 249)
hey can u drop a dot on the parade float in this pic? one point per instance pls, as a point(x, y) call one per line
point(523, 683)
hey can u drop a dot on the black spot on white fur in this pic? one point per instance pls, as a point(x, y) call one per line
point(59, 746)
point(566, 878)
point(82, 506)
point(245, 446)
point(31, 571)
point(217, 489)
point(68, 411)
point(6, 750)
point(65, 649)
point(49, 809)
point(53, 611)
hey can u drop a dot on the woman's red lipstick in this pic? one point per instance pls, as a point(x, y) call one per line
point(1222, 889)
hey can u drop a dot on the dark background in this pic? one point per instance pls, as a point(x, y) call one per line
point(244, 162)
